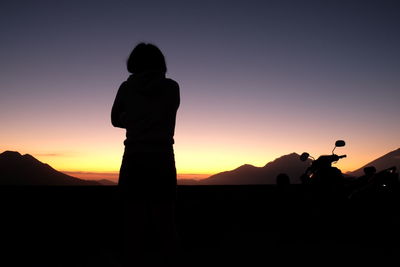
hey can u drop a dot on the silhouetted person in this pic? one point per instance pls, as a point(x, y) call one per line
point(282, 180)
point(146, 105)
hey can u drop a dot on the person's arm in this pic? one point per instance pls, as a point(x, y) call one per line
point(177, 95)
point(118, 112)
point(175, 99)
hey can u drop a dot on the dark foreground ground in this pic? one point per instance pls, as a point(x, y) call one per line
point(218, 226)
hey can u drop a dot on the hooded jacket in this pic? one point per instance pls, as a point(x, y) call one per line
point(146, 106)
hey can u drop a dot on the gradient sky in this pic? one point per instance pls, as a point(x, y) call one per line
point(259, 79)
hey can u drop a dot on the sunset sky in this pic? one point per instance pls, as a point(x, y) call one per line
point(258, 79)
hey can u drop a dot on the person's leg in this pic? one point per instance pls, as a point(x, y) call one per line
point(136, 232)
point(164, 229)
point(135, 215)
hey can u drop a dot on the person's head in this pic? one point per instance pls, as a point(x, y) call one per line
point(282, 179)
point(146, 57)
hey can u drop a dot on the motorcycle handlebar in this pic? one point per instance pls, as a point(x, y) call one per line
point(335, 157)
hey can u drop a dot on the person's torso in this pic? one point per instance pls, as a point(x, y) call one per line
point(151, 105)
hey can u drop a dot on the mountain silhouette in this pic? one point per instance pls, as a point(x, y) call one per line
point(185, 181)
point(106, 182)
point(249, 174)
point(386, 161)
point(17, 169)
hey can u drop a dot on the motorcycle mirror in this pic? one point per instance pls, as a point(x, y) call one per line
point(340, 143)
point(304, 156)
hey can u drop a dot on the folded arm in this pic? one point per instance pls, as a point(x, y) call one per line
point(118, 112)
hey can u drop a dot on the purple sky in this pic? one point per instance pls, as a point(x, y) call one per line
point(258, 78)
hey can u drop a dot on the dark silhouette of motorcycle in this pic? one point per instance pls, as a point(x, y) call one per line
point(376, 185)
point(321, 175)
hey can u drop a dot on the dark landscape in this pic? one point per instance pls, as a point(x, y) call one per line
point(218, 225)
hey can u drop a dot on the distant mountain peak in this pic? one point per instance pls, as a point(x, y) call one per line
point(249, 174)
point(17, 169)
point(386, 161)
point(14, 156)
point(32, 159)
point(246, 167)
point(292, 157)
point(10, 154)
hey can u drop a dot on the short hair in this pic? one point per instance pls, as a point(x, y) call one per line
point(146, 57)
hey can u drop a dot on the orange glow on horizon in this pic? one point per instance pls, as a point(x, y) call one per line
point(198, 154)
point(113, 176)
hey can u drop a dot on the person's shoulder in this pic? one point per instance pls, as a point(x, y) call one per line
point(126, 83)
point(123, 86)
point(171, 83)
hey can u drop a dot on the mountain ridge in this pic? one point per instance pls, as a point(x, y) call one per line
point(289, 164)
point(17, 169)
point(249, 174)
point(386, 161)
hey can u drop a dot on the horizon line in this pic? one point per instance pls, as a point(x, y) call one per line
point(114, 175)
